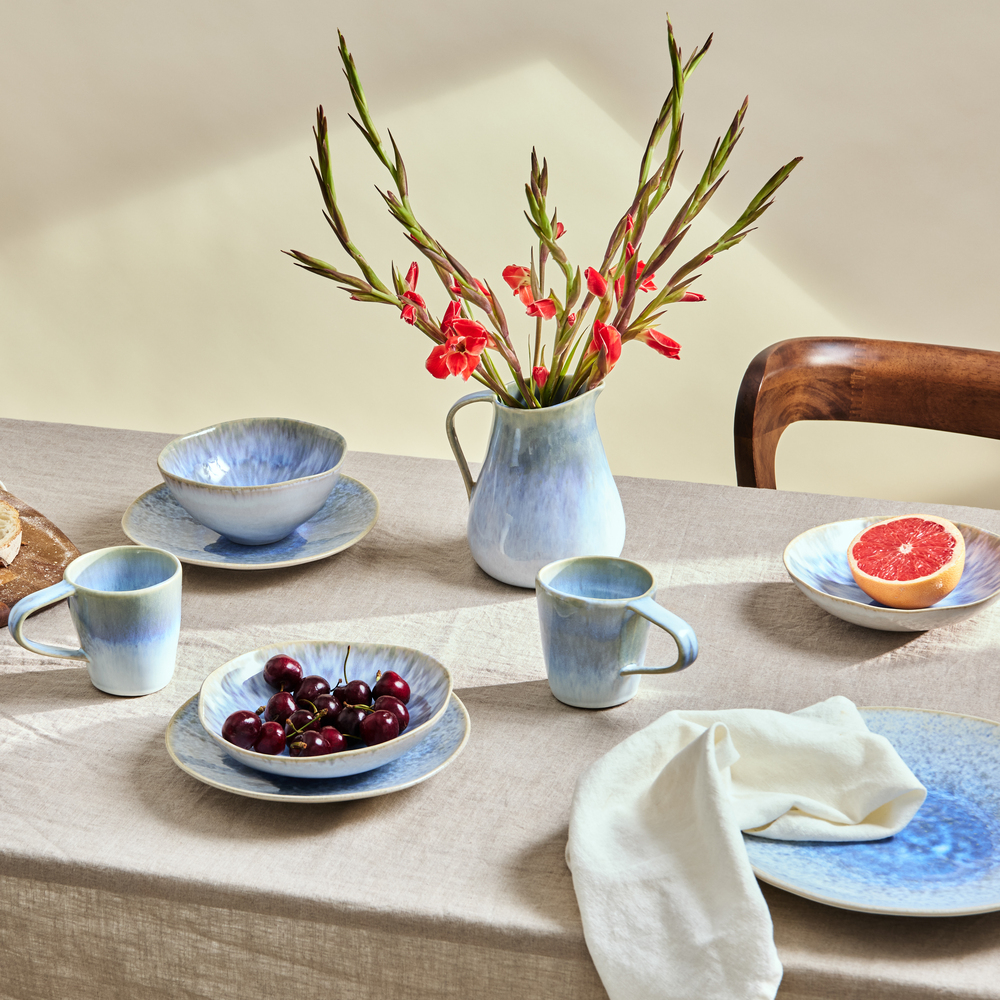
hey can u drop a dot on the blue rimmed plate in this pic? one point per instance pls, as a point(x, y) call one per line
point(945, 862)
point(817, 561)
point(157, 519)
point(193, 751)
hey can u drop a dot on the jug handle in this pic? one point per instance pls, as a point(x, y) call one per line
point(484, 396)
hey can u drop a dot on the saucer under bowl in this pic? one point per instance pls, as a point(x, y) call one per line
point(239, 684)
point(253, 480)
point(816, 561)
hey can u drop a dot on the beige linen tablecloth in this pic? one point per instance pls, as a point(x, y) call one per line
point(123, 877)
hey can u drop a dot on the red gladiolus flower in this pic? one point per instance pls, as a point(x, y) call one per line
point(619, 285)
point(409, 312)
point(692, 297)
point(560, 229)
point(482, 287)
point(629, 251)
point(545, 308)
point(647, 285)
point(462, 327)
point(453, 312)
point(629, 223)
point(596, 285)
point(571, 319)
point(458, 355)
point(609, 338)
point(540, 374)
point(660, 343)
point(519, 278)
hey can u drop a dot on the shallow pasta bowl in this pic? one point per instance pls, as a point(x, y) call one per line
point(239, 684)
point(817, 561)
point(254, 480)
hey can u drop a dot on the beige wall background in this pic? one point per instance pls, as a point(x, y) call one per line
point(155, 161)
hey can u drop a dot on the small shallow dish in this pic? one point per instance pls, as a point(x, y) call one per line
point(255, 480)
point(944, 863)
point(158, 520)
point(240, 684)
point(817, 561)
point(195, 753)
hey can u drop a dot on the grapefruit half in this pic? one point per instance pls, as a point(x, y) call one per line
point(908, 562)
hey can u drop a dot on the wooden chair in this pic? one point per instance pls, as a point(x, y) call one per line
point(874, 381)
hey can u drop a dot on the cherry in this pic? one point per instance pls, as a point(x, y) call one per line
point(379, 727)
point(311, 687)
point(299, 720)
point(388, 703)
point(308, 744)
point(391, 683)
point(335, 738)
point(282, 672)
point(349, 719)
point(331, 703)
point(242, 728)
point(357, 693)
point(271, 740)
point(280, 706)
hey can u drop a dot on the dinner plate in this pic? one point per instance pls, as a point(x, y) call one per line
point(157, 519)
point(945, 862)
point(193, 751)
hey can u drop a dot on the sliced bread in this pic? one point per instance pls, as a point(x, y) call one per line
point(10, 534)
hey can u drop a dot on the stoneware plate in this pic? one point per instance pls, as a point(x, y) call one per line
point(817, 561)
point(157, 519)
point(240, 684)
point(945, 862)
point(193, 751)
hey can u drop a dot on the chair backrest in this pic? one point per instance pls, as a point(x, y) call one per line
point(873, 381)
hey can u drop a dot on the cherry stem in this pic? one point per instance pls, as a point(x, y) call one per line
point(259, 711)
point(344, 668)
point(364, 708)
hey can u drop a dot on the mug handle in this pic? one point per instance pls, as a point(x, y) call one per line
point(485, 396)
point(687, 643)
point(35, 602)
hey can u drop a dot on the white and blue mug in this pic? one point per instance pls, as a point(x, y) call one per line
point(125, 603)
point(594, 613)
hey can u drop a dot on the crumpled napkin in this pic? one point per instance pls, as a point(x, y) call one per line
point(671, 909)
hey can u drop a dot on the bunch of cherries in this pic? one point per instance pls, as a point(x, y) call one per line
point(311, 720)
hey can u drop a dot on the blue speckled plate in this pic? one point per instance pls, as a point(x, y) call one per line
point(157, 519)
point(193, 750)
point(945, 862)
point(817, 561)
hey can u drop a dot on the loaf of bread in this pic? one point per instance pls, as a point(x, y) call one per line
point(10, 534)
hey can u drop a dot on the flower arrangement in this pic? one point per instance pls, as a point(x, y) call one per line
point(583, 350)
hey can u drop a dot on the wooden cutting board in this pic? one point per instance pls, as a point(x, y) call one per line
point(45, 553)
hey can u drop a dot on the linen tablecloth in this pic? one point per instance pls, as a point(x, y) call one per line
point(122, 877)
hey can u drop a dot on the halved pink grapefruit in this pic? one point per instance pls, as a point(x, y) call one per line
point(908, 562)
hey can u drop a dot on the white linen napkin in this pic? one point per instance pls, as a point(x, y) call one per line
point(671, 909)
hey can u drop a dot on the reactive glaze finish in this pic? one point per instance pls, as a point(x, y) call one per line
point(195, 752)
point(545, 490)
point(240, 684)
point(817, 561)
point(945, 862)
point(255, 480)
point(594, 614)
point(349, 513)
point(125, 603)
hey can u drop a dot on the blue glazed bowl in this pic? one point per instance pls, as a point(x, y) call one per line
point(240, 684)
point(255, 480)
point(817, 561)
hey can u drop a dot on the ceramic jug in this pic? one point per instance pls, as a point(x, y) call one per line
point(545, 491)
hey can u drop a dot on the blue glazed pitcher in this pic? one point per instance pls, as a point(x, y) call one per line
point(545, 491)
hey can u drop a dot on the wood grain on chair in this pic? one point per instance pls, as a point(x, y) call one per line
point(872, 381)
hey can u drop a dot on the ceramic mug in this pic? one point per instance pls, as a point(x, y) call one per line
point(594, 613)
point(125, 603)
